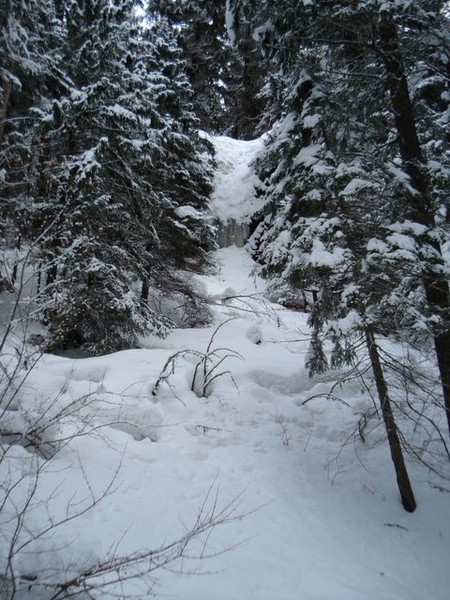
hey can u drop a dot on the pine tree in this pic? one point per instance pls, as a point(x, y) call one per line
point(246, 80)
point(30, 37)
point(225, 71)
point(354, 179)
point(201, 35)
point(380, 194)
point(27, 43)
point(119, 182)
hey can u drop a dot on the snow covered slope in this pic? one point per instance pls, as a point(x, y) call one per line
point(317, 513)
point(234, 193)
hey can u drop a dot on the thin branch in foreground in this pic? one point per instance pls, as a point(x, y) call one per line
point(117, 570)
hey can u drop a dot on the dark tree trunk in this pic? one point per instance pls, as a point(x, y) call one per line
point(51, 275)
point(403, 482)
point(421, 207)
point(16, 262)
point(4, 107)
point(144, 292)
point(39, 279)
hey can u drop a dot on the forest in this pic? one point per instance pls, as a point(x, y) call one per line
point(113, 118)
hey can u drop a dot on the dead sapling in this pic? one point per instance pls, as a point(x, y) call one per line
point(207, 368)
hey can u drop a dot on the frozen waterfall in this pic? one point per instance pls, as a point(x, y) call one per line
point(231, 233)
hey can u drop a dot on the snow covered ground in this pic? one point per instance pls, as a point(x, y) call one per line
point(317, 512)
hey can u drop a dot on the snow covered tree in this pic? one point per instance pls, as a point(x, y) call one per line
point(225, 71)
point(119, 179)
point(246, 80)
point(355, 177)
point(30, 36)
point(201, 34)
point(370, 179)
point(27, 40)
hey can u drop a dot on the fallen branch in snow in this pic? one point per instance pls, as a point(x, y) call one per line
point(285, 436)
point(253, 304)
point(169, 368)
point(325, 396)
point(114, 571)
point(396, 525)
point(206, 428)
point(294, 341)
point(205, 371)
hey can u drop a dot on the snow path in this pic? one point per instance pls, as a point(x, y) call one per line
point(321, 517)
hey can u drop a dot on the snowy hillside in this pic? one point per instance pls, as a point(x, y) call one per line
point(311, 512)
point(234, 193)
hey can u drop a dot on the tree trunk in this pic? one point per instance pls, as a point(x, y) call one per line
point(4, 107)
point(403, 482)
point(144, 292)
point(421, 208)
point(39, 279)
point(51, 275)
point(16, 260)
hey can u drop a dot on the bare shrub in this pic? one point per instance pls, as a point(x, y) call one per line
point(207, 368)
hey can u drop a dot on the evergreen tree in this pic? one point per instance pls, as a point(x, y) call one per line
point(201, 34)
point(30, 38)
point(355, 177)
point(28, 34)
point(361, 172)
point(226, 73)
point(247, 79)
point(119, 180)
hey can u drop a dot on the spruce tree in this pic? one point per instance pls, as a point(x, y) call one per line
point(385, 190)
point(355, 191)
point(30, 40)
point(28, 36)
point(225, 71)
point(201, 35)
point(120, 187)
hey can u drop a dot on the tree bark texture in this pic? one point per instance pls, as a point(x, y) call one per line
point(421, 210)
point(6, 86)
point(403, 482)
point(144, 292)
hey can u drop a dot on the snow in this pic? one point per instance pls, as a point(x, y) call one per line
point(229, 21)
point(376, 245)
point(407, 226)
point(355, 185)
point(234, 187)
point(321, 257)
point(347, 324)
point(349, 292)
point(308, 155)
point(405, 242)
point(311, 121)
point(188, 211)
point(317, 511)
